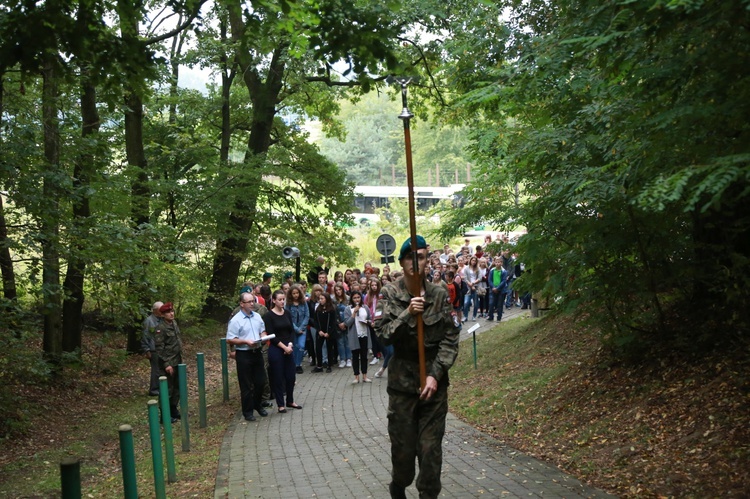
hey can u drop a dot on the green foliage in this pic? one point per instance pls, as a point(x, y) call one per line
point(372, 144)
point(372, 151)
point(623, 127)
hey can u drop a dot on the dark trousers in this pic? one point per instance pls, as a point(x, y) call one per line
point(416, 428)
point(377, 349)
point(359, 357)
point(269, 376)
point(153, 387)
point(251, 373)
point(173, 387)
point(497, 301)
point(330, 343)
point(311, 342)
point(283, 375)
point(484, 301)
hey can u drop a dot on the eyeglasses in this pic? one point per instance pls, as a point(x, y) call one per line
point(249, 301)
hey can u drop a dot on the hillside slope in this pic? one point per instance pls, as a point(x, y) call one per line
point(677, 426)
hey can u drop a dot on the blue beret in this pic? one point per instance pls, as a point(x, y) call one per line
point(406, 247)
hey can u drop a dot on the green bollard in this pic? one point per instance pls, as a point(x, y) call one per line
point(153, 426)
point(127, 456)
point(70, 478)
point(166, 422)
point(201, 391)
point(225, 369)
point(182, 375)
point(474, 335)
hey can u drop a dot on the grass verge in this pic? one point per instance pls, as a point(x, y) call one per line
point(90, 410)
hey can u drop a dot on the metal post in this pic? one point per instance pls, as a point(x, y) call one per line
point(473, 330)
point(156, 459)
point(201, 391)
point(182, 376)
point(224, 369)
point(70, 478)
point(166, 421)
point(127, 457)
point(474, 336)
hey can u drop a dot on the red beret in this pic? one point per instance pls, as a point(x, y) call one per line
point(167, 307)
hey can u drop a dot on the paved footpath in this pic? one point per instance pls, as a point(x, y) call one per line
point(337, 446)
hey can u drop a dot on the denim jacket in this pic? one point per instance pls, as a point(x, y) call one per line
point(300, 316)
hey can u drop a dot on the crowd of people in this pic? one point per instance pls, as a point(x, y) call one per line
point(328, 320)
point(359, 319)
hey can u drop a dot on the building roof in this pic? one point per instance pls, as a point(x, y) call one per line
point(397, 191)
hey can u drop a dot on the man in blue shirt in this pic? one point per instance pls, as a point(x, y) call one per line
point(245, 332)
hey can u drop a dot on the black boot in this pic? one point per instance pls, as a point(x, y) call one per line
point(396, 491)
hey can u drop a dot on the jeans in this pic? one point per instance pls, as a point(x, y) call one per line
point(323, 356)
point(496, 305)
point(314, 346)
point(387, 354)
point(471, 297)
point(345, 353)
point(299, 349)
point(509, 299)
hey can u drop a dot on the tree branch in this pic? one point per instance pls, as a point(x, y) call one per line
point(170, 34)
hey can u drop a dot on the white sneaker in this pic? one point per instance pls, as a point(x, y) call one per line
point(374, 361)
point(380, 372)
point(349, 363)
point(342, 364)
point(367, 380)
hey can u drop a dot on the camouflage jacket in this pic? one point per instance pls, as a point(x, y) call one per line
point(168, 342)
point(395, 326)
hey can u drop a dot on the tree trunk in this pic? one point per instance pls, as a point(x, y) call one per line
point(140, 191)
point(231, 250)
point(6, 263)
point(73, 303)
point(52, 340)
point(227, 78)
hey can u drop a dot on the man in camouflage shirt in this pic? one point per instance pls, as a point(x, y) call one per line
point(416, 418)
point(167, 340)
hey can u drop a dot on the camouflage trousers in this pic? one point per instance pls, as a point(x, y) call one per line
point(416, 428)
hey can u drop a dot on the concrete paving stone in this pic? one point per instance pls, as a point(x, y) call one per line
point(338, 447)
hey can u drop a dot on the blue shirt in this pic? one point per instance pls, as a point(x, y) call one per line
point(245, 327)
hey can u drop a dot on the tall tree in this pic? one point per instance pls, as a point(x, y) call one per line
point(6, 262)
point(50, 222)
point(622, 125)
point(274, 48)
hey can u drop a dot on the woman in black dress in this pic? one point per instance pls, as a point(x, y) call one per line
point(278, 321)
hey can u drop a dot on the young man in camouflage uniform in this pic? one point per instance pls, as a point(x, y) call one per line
point(416, 418)
point(167, 341)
